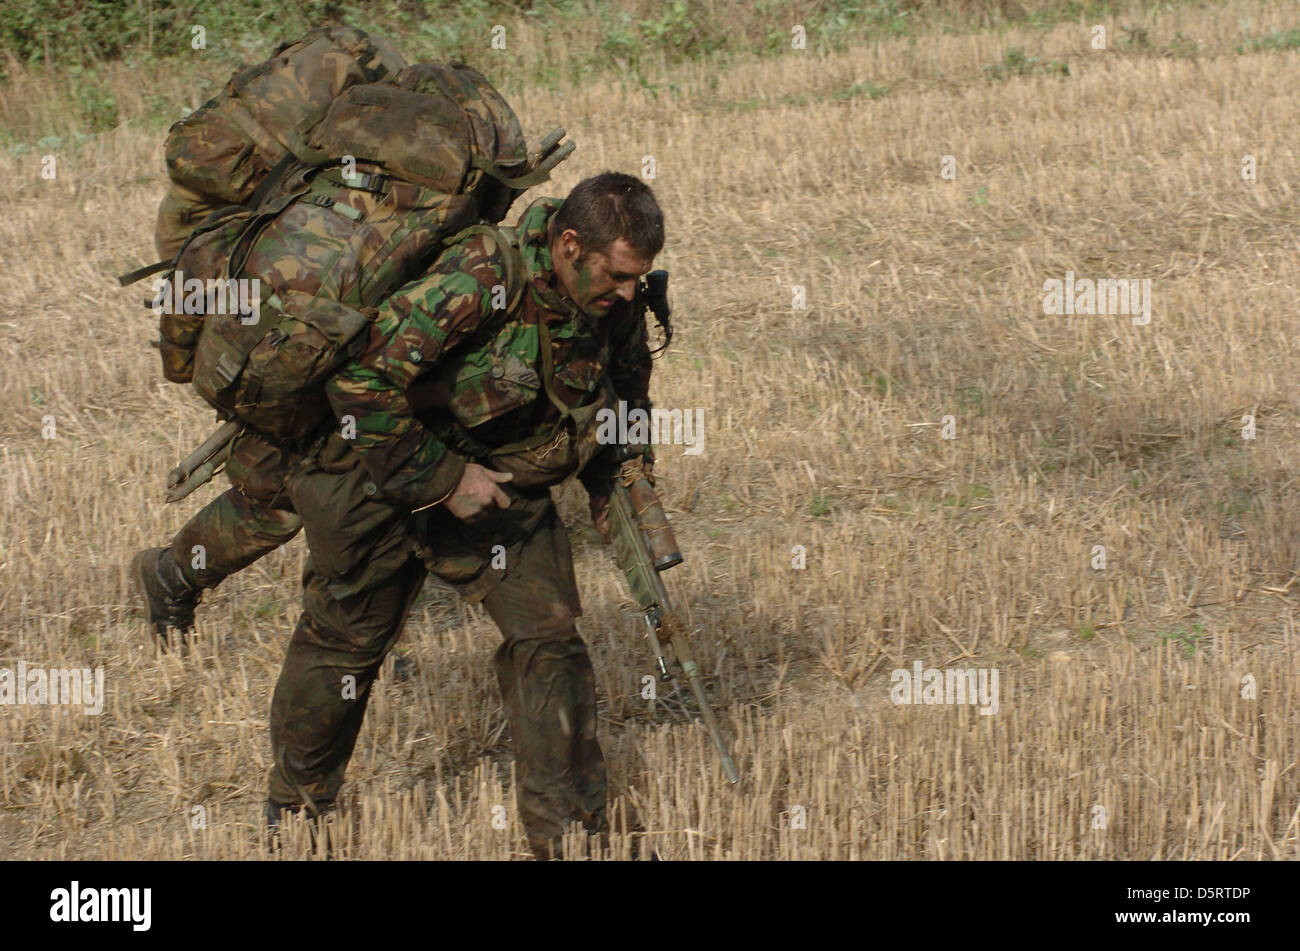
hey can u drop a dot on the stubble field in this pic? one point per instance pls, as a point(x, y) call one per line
point(1147, 688)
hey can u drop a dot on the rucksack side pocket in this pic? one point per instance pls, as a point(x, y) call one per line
point(281, 388)
point(204, 258)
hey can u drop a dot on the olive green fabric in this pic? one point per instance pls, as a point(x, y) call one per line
point(439, 358)
point(247, 521)
point(542, 666)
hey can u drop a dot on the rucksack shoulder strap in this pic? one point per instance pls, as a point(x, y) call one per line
point(512, 261)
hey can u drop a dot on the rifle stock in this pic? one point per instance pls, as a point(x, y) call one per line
point(202, 464)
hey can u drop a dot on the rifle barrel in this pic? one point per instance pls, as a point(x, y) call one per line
point(663, 626)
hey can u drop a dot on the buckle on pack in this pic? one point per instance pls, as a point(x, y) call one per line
point(366, 181)
point(373, 182)
point(325, 201)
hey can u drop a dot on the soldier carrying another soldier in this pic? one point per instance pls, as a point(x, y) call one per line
point(465, 415)
point(415, 382)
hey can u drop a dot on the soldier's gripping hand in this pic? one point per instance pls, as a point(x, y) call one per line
point(598, 501)
point(478, 488)
point(599, 505)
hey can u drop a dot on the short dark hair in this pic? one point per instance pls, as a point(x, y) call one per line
point(609, 206)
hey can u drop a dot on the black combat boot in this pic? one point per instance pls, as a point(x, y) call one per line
point(169, 597)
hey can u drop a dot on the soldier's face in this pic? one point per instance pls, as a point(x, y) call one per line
point(595, 282)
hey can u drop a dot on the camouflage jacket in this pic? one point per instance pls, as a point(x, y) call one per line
point(444, 372)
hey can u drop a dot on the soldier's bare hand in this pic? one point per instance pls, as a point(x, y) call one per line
point(478, 489)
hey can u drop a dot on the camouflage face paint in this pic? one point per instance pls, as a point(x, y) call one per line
point(584, 295)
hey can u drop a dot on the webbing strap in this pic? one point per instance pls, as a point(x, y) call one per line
point(125, 280)
point(548, 368)
point(363, 181)
point(540, 172)
point(267, 143)
point(255, 131)
point(271, 181)
point(131, 277)
point(511, 259)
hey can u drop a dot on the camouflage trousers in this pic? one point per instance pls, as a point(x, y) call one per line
point(247, 521)
point(350, 621)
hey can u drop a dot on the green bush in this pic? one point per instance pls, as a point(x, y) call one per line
point(95, 102)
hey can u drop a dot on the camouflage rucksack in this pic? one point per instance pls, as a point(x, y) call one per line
point(219, 154)
point(361, 206)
